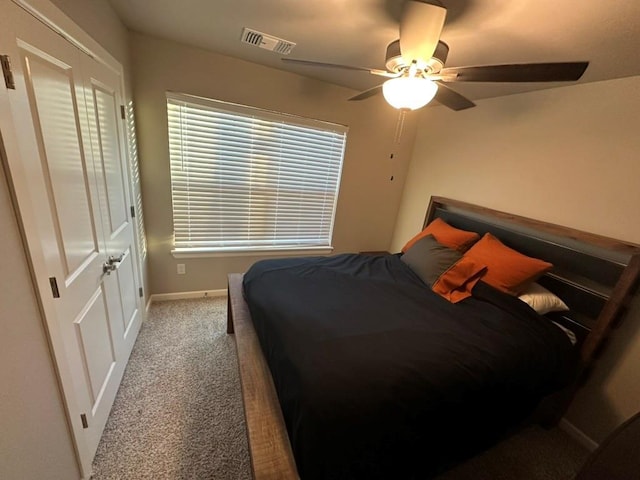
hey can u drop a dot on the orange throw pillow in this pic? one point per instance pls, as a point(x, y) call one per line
point(507, 270)
point(445, 235)
point(457, 282)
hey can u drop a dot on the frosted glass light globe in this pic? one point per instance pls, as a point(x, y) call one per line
point(409, 92)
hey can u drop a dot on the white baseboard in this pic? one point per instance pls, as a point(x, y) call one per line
point(578, 435)
point(158, 297)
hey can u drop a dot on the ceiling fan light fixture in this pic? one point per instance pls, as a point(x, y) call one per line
point(409, 93)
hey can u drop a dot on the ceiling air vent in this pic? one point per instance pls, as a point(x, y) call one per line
point(268, 42)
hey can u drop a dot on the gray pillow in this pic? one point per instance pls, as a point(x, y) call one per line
point(429, 259)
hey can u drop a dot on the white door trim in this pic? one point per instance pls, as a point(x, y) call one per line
point(57, 20)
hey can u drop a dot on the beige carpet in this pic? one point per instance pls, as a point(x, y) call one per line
point(178, 412)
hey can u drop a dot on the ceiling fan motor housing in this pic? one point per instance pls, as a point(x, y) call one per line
point(395, 63)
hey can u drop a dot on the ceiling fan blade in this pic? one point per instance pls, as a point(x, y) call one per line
point(524, 72)
point(420, 28)
point(367, 93)
point(373, 71)
point(452, 99)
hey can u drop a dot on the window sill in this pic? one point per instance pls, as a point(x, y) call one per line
point(204, 253)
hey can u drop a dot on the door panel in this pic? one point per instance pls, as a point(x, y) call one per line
point(109, 149)
point(126, 276)
point(106, 126)
point(53, 97)
point(92, 328)
point(71, 220)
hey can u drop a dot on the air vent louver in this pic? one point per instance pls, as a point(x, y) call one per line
point(268, 42)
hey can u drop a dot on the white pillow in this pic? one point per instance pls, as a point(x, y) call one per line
point(542, 300)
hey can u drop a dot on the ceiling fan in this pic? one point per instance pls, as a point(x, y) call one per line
point(416, 71)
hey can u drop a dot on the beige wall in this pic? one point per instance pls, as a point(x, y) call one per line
point(368, 200)
point(98, 19)
point(568, 155)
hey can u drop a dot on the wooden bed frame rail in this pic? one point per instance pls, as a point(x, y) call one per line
point(271, 455)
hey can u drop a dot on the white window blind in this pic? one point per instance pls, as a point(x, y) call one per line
point(245, 179)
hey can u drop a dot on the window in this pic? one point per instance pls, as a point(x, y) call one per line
point(245, 179)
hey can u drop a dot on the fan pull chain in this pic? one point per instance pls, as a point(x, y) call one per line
point(398, 136)
point(400, 126)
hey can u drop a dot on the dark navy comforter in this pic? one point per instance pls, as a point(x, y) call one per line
point(380, 378)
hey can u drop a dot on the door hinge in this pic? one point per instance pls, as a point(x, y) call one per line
point(54, 287)
point(83, 418)
point(6, 72)
point(133, 211)
point(141, 292)
point(123, 112)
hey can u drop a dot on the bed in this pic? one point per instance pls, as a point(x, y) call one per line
point(331, 398)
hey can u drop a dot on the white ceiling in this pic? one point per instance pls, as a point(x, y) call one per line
point(356, 32)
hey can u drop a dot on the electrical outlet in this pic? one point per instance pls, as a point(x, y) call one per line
point(181, 269)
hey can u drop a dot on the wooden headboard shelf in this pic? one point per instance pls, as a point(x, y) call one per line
point(587, 284)
point(618, 302)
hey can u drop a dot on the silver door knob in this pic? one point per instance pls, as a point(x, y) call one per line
point(108, 267)
point(113, 259)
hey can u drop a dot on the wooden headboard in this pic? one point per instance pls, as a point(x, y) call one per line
point(595, 275)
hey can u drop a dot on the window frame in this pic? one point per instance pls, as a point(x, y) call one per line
point(266, 115)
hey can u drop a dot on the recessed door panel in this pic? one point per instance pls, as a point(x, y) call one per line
point(52, 96)
point(96, 345)
point(109, 152)
point(128, 292)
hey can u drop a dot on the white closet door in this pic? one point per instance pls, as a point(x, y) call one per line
point(104, 101)
point(71, 172)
